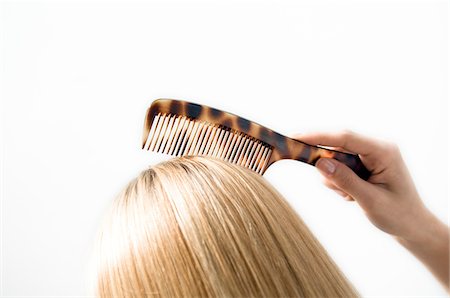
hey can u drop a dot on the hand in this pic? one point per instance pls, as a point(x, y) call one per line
point(389, 197)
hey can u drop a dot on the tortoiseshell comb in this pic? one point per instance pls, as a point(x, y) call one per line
point(179, 128)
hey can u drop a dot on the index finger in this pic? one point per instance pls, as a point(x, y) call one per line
point(345, 139)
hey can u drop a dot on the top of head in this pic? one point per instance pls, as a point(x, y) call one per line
point(180, 128)
point(199, 226)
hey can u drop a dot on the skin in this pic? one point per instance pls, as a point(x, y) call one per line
point(389, 198)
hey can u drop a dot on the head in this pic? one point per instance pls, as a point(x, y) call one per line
point(199, 226)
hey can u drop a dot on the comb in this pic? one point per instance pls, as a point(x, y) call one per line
point(180, 128)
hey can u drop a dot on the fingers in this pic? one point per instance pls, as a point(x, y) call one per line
point(348, 140)
point(344, 179)
point(330, 185)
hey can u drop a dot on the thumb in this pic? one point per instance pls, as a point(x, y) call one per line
point(344, 178)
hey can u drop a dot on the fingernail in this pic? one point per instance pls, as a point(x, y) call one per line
point(326, 165)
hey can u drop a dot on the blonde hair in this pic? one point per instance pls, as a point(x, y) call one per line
point(199, 226)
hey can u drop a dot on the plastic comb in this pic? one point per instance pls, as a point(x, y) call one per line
point(180, 128)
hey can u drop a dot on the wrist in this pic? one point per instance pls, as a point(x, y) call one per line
point(431, 246)
point(429, 233)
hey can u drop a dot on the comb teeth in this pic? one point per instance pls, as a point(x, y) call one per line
point(180, 135)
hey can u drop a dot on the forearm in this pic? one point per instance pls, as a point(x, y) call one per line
point(431, 247)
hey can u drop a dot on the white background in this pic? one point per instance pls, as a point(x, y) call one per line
point(78, 77)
